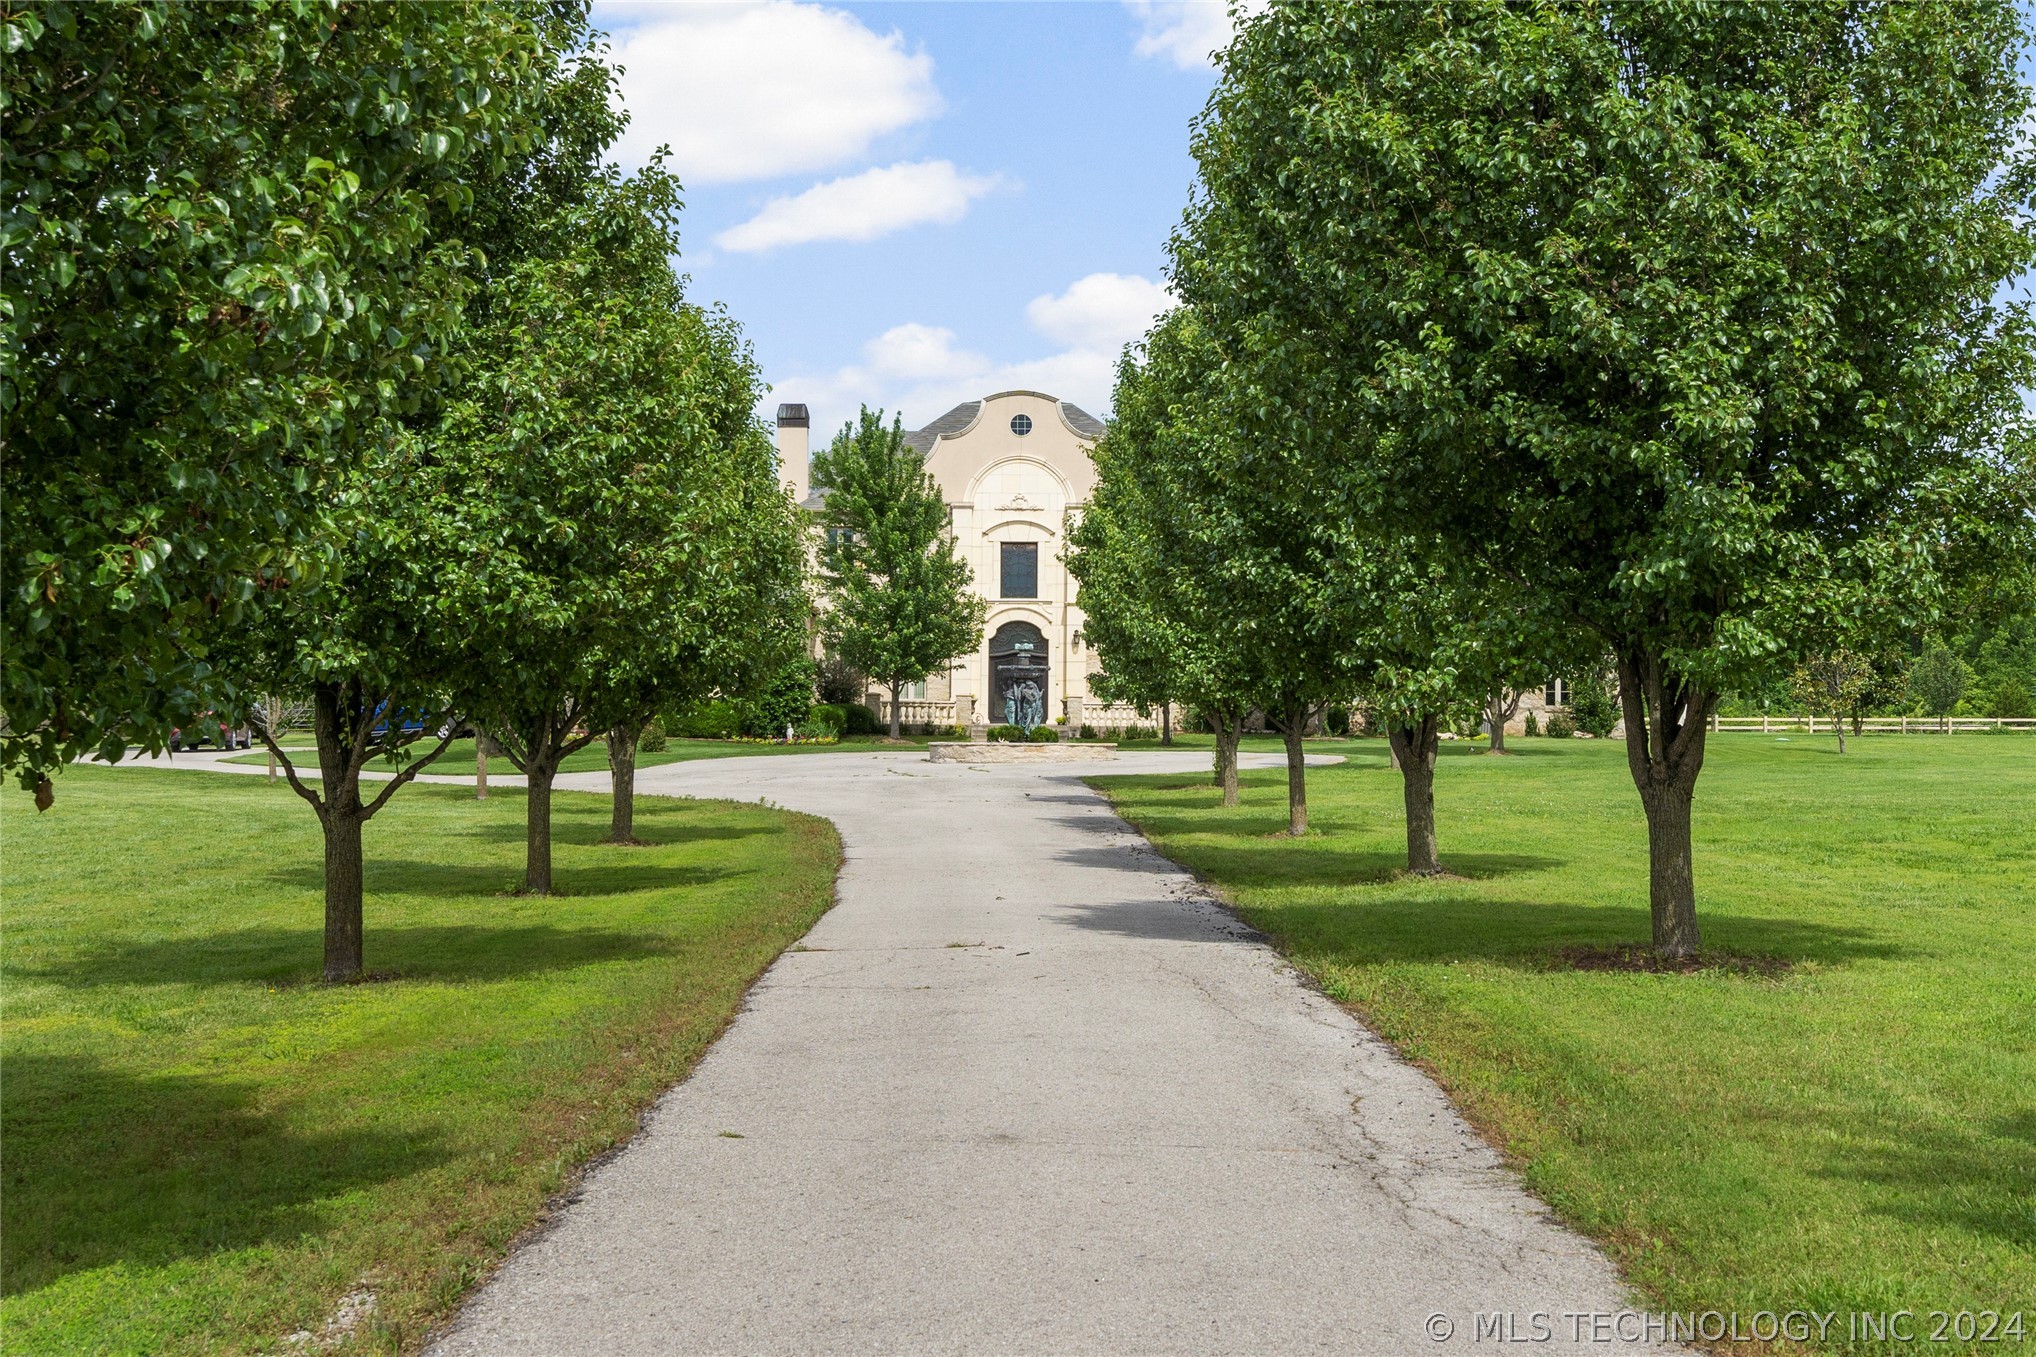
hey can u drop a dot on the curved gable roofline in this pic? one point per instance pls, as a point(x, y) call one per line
point(956, 421)
point(964, 417)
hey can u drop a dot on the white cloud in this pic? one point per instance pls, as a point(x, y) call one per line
point(1187, 32)
point(923, 371)
point(862, 206)
point(754, 91)
point(1102, 311)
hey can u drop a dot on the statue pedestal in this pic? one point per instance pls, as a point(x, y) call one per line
point(979, 731)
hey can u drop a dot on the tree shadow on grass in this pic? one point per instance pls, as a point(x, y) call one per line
point(1438, 924)
point(399, 876)
point(1953, 1174)
point(1435, 923)
point(106, 1166)
point(588, 830)
point(448, 952)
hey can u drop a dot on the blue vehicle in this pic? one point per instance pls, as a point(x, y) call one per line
point(409, 721)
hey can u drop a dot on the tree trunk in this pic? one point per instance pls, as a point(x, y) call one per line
point(480, 765)
point(1666, 720)
point(622, 783)
point(1166, 723)
point(342, 817)
point(1838, 729)
point(1414, 749)
point(1297, 771)
point(541, 769)
point(344, 866)
point(1229, 727)
point(1497, 716)
point(897, 728)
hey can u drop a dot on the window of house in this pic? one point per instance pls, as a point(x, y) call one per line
point(1021, 570)
point(1556, 694)
point(912, 692)
point(1021, 425)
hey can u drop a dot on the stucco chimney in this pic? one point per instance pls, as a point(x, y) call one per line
point(793, 450)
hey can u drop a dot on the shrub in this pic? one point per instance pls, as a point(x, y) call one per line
point(653, 737)
point(782, 699)
point(2011, 699)
point(1043, 735)
point(838, 684)
point(715, 719)
point(1006, 734)
point(1533, 726)
point(1592, 706)
point(1088, 732)
point(816, 730)
point(1337, 721)
point(833, 717)
point(1560, 727)
point(863, 721)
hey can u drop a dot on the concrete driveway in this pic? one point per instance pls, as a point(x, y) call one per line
point(1027, 1090)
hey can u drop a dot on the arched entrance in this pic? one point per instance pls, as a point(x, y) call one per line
point(1018, 675)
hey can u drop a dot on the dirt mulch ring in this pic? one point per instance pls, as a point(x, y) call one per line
point(1637, 959)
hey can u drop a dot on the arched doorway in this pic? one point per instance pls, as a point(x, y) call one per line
point(1018, 675)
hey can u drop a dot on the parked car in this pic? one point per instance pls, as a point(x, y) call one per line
point(208, 729)
point(409, 721)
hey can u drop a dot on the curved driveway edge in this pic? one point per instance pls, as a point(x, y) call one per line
point(1027, 1089)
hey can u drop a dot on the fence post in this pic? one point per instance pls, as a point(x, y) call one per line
point(1763, 723)
point(1905, 725)
point(1813, 723)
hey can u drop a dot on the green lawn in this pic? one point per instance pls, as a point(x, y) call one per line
point(458, 759)
point(206, 1149)
point(1856, 1134)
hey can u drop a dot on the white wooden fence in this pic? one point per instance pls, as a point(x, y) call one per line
point(1879, 725)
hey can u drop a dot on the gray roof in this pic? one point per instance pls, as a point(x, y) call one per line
point(963, 415)
point(954, 421)
point(1080, 420)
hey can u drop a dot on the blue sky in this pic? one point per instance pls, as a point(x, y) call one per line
point(915, 204)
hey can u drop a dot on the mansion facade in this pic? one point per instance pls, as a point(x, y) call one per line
point(1011, 467)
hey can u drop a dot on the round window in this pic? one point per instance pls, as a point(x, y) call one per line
point(1021, 425)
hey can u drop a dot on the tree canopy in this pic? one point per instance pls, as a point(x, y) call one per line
point(1687, 320)
point(225, 259)
point(899, 602)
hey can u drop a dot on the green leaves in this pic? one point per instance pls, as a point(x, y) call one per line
point(1679, 318)
point(223, 275)
point(900, 603)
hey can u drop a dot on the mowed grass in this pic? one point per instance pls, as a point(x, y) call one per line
point(458, 759)
point(206, 1150)
point(1857, 1134)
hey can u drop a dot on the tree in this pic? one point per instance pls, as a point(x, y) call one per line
point(588, 459)
point(1832, 682)
point(228, 261)
point(368, 643)
point(1688, 321)
point(738, 622)
point(1937, 679)
point(899, 599)
point(1148, 553)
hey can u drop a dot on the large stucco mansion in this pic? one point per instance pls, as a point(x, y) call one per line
point(1010, 466)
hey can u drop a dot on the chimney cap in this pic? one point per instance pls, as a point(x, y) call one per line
point(792, 417)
